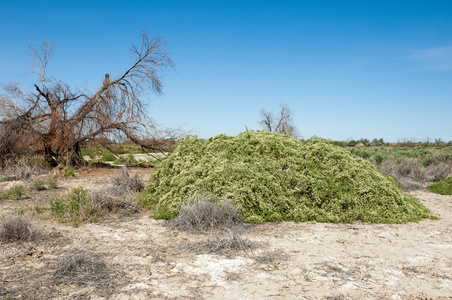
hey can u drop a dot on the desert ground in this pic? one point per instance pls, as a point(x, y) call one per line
point(138, 257)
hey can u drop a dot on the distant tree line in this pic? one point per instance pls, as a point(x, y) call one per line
point(437, 142)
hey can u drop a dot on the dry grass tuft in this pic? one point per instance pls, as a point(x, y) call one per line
point(226, 245)
point(81, 267)
point(203, 215)
point(269, 257)
point(18, 228)
point(338, 297)
point(17, 170)
point(113, 204)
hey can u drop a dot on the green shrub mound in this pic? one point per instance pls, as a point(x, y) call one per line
point(274, 177)
point(443, 187)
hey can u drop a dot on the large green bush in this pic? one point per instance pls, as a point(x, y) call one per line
point(274, 177)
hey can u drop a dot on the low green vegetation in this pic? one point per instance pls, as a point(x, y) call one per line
point(107, 157)
point(444, 187)
point(75, 206)
point(52, 182)
point(67, 172)
point(79, 205)
point(274, 177)
point(93, 150)
point(39, 185)
point(16, 192)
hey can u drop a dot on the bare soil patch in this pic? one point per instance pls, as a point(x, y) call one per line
point(137, 257)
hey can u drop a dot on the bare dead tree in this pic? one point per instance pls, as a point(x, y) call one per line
point(57, 118)
point(267, 120)
point(282, 124)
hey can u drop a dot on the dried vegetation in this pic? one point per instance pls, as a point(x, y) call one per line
point(205, 215)
point(18, 228)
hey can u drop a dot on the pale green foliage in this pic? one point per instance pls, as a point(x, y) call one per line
point(273, 177)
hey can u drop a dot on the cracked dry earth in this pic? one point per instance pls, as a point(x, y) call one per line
point(145, 259)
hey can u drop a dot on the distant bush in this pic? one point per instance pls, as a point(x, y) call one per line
point(444, 187)
point(437, 158)
point(437, 172)
point(404, 168)
point(273, 177)
point(108, 157)
point(378, 158)
point(410, 173)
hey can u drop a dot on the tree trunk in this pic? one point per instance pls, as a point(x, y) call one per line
point(50, 156)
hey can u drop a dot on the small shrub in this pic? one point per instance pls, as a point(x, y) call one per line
point(18, 228)
point(203, 215)
point(39, 185)
point(39, 209)
point(19, 211)
point(52, 182)
point(17, 170)
point(68, 172)
point(23, 170)
point(126, 183)
point(4, 195)
point(437, 158)
point(444, 187)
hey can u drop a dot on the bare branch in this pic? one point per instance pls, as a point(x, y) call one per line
point(42, 56)
point(267, 120)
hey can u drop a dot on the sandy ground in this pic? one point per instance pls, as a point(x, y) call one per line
point(146, 259)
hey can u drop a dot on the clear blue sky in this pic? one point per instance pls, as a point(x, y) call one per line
point(348, 69)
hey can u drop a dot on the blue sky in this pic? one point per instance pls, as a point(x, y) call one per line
point(348, 69)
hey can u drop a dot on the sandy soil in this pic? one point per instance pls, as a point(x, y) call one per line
point(146, 259)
